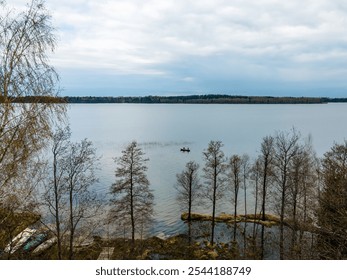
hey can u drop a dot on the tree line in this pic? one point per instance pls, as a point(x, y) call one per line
point(197, 99)
point(185, 99)
point(188, 99)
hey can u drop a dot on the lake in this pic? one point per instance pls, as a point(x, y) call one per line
point(162, 129)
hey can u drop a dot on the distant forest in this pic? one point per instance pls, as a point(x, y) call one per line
point(189, 99)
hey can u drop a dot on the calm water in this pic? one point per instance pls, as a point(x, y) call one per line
point(161, 130)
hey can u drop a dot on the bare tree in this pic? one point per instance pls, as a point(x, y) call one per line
point(133, 199)
point(68, 195)
point(255, 177)
point(26, 38)
point(83, 204)
point(188, 188)
point(266, 159)
point(309, 203)
point(54, 188)
point(214, 173)
point(235, 178)
point(286, 149)
point(332, 211)
point(245, 167)
point(302, 197)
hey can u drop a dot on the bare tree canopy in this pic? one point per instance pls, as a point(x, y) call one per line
point(286, 147)
point(26, 39)
point(133, 199)
point(54, 194)
point(188, 187)
point(235, 179)
point(70, 200)
point(332, 213)
point(266, 159)
point(214, 173)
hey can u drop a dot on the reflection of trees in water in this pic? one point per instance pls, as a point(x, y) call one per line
point(200, 232)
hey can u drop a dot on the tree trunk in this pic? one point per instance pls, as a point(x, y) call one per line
point(245, 223)
point(255, 227)
point(190, 207)
point(283, 198)
point(132, 206)
point(235, 205)
point(294, 213)
point(214, 204)
point(72, 231)
point(56, 200)
point(190, 196)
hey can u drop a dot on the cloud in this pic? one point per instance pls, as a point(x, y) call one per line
point(188, 79)
point(177, 39)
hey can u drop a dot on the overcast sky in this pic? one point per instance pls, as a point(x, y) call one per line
point(259, 47)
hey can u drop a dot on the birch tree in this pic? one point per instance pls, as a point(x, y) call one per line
point(26, 39)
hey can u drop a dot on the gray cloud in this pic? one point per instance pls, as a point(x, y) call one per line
point(198, 41)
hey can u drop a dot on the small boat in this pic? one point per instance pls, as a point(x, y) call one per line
point(45, 245)
point(19, 240)
point(35, 241)
point(184, 149)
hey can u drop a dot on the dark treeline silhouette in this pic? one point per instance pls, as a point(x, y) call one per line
point(199, 99)
point(34, 99)
point(186, 99)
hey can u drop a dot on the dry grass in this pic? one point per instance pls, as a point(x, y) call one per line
point(270, 220)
